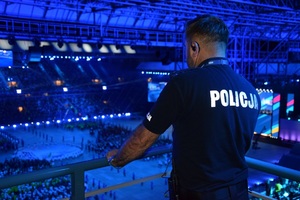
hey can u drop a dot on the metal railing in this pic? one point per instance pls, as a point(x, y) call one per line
point(77, 174)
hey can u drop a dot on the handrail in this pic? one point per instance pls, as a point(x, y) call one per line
point(273, 169)
point(77, 172)
point(260, 196)
point(125, 184)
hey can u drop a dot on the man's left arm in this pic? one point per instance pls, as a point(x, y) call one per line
point(140, 140)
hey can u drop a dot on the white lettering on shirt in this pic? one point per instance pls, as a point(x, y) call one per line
point(214, 96)
point(149, 117)
point(233, 98)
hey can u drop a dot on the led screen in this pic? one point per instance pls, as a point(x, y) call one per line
point(275, 115)
point(6, 58)
point(264, 121)
point(290, 104)
point(154, 89)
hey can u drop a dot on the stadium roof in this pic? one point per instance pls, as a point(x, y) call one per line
point(268, 19)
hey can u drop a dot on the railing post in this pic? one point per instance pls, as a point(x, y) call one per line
point(77, 185)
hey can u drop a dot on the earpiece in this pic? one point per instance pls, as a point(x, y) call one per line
point(195, 46)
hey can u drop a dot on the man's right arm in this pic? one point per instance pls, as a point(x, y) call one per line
point(140, 140)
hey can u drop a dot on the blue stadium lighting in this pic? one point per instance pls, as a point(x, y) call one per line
point(155, 73)
point(104, 87)
point(70, 120)
point(84, 118)
point(266, 83)
point(258, 183)
point(99, 59)
point(275, 160)
point(297, 80)
point(65, 89)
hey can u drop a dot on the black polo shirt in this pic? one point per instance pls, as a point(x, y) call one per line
point(213, 111)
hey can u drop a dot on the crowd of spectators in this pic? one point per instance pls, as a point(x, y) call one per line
point(8, 142)
point(63, 106)
point(107, 136)
point(279, 188)
point(41, 99)
point(50, 189)
point(16, 166)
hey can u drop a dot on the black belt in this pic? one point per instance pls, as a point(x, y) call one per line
point(237, 191)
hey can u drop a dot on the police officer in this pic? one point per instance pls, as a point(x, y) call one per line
point(213, 112)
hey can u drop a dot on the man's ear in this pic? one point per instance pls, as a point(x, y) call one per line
point(195, 47)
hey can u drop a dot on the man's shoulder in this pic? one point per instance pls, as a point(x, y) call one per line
point(184, 74)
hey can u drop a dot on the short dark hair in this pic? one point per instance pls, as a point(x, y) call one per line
point(210, 27)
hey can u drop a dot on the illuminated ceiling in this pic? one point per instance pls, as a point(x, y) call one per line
point(145, 21)
point(262, 31)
